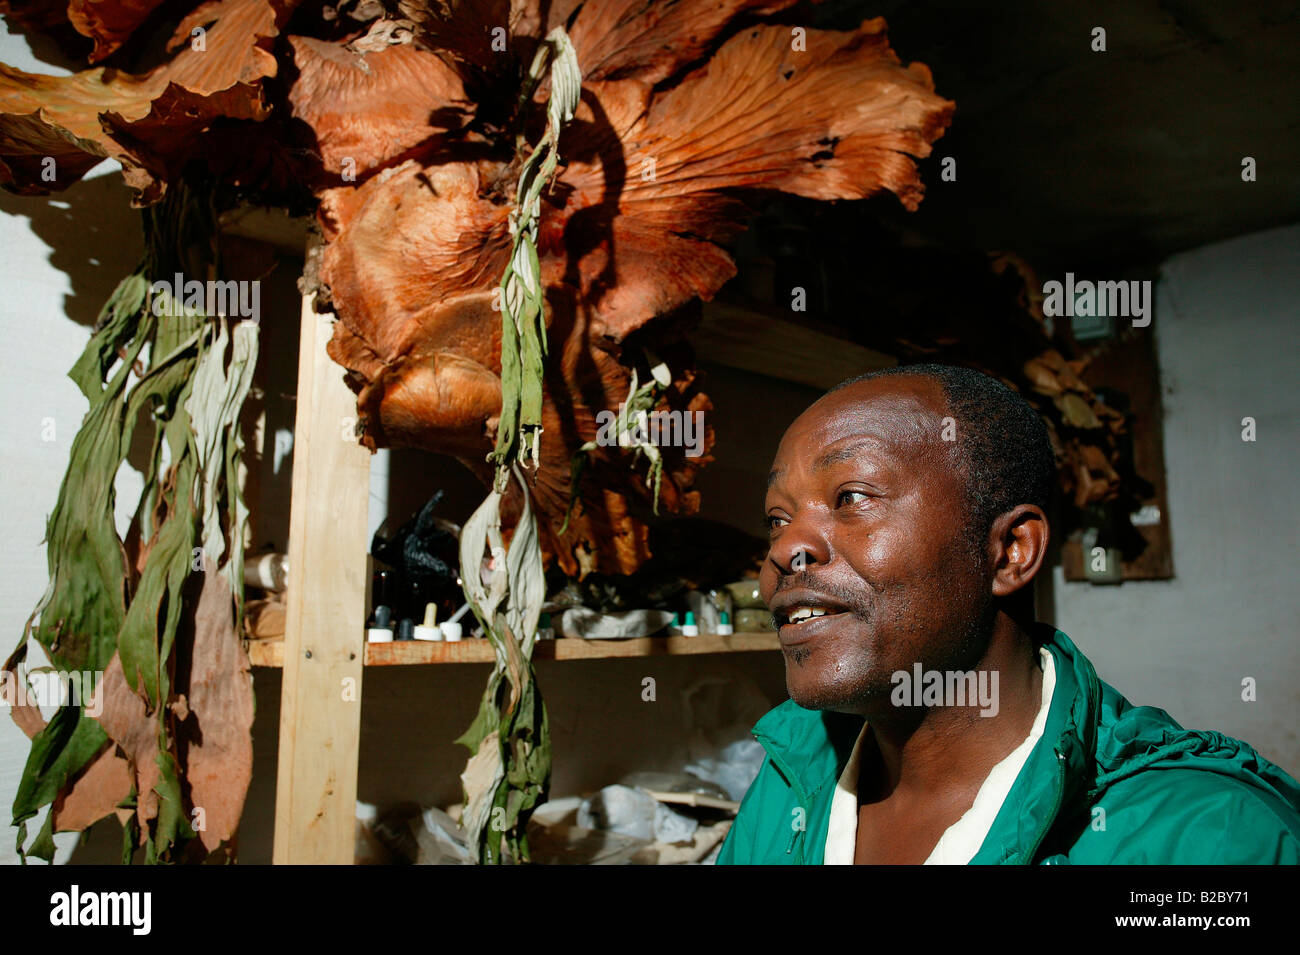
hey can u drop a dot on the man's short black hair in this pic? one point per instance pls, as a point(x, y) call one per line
point(1006, 454)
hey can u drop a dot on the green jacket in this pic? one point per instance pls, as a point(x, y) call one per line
point(1169, 795)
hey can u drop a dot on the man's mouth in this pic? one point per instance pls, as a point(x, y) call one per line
point(800, 617)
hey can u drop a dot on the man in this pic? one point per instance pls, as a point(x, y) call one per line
point(931, 720)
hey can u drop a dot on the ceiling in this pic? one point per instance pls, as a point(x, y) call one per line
point(1082, 159)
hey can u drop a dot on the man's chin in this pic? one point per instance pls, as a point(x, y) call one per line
point(844, 692)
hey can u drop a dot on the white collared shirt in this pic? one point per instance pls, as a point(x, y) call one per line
point(961, 840)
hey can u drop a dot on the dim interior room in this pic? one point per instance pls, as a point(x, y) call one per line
point(1207, 605)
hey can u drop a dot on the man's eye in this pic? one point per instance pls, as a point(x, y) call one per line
point(844, 497)
point(773, 521)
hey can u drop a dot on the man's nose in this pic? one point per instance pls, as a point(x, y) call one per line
point(800, 545)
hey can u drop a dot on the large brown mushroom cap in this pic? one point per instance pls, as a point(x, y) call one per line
point(659, 168)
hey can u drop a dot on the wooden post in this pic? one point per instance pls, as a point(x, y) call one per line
point(320, 698)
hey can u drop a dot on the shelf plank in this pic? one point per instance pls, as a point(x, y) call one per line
point(270, 653)
point(746, 337)
point(275, 227)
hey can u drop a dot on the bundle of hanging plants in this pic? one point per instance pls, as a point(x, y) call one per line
point(152, 616)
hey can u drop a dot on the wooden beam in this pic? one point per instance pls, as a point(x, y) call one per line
point(747, 338)
point(320, 710)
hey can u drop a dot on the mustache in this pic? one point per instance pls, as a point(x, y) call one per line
point(854, 600)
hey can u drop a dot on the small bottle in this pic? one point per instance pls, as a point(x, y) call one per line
point(724, 624)
point(710, 608)
point(451, 631)
point(723, 603)
point(429, 630)
point(545, 631)
point(675, 628)
point(382, 586)
point(417, 599)
point(689, 628)
point(406, 629)
point(381, 628)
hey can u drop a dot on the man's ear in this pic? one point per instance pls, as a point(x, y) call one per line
point(1019, 538)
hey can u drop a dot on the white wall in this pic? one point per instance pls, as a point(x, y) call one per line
point(60, 258)
point(1227, 327)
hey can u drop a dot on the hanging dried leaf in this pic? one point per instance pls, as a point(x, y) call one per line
point(149, 122)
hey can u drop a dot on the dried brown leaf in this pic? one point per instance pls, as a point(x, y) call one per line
point(216, 738)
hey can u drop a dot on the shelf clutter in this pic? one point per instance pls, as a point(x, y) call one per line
point(566, 632)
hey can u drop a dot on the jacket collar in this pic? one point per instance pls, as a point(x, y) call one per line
point(810, 748)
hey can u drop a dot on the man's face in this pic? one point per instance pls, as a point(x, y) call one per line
point(868, 515)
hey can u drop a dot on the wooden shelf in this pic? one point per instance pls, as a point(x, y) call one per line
point(270, 653)
point(766, 341)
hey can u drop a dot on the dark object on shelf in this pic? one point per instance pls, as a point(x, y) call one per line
point(688, 553)
point(422, 559)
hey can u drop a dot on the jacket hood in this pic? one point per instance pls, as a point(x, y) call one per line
point(1142, 738)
